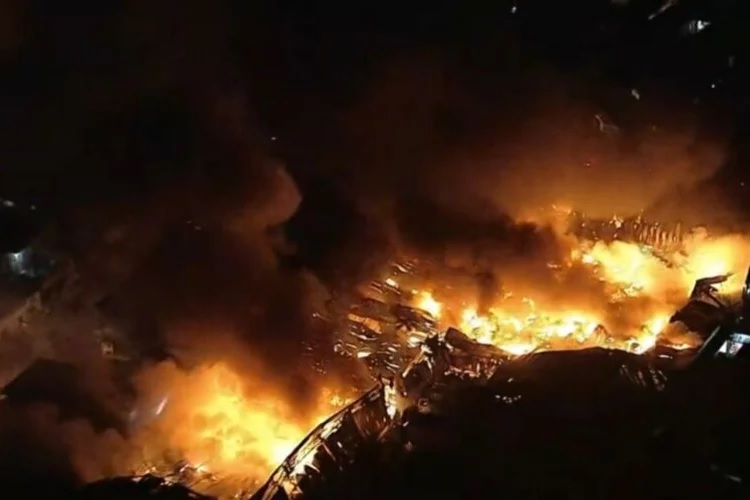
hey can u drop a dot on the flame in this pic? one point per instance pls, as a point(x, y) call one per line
point(629, 271)
point(623, 264)
point(519, 333)
point(427, 303)
point(716, 256)
point(638, 271)
point(234, 427)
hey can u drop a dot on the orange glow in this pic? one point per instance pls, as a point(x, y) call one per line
point(715, 256)
point(427, 303)
point(640, 273)
point(647, 286)
point(521, 332)
point(623, 264)
point(229, 425)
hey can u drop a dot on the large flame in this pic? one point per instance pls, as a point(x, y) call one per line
point(239, 426)
point(631, 273)
point(227, 424)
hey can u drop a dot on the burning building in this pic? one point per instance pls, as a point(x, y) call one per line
point(441, 386)
point(460, 391)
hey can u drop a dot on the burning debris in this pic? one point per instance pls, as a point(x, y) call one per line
point(644, 269)
point(440, 376)
point(180, 148)
point(636, 229)
point(215, 430)
point(424, 339)
point(331, 447)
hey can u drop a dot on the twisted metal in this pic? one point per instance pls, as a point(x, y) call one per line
point(333, 441)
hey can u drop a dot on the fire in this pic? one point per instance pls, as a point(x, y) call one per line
point(639, 271)
point(230, 428)
point(646, 284)
point(622, 264)
point(649, 334)
point(519, 333)
point(229, 425)
point(427, 303)
point(712, 257)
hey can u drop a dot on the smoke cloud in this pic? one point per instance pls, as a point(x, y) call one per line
point(156, 180)
point(169, 194)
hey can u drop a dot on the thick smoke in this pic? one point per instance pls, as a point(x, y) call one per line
point(158, 177)
point(451, 171)
point(542, 141)
point(157, 181)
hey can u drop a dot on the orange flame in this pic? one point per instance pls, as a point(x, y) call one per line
point(630, 271)
point(229, 425)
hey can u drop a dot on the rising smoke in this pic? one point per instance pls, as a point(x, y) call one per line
point(157, 179)
point(169, 195)
point(451, 171)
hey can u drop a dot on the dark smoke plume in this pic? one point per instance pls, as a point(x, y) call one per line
point(143, 123)
point(148, 163)
point(446, 169)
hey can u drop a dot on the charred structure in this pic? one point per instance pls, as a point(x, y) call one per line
point(456, 391)
point(222, 183)
point(451, 376)
point(445, 389)
point(635, 229)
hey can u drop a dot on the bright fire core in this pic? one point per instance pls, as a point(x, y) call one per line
point(233, 425)
point(637, 291)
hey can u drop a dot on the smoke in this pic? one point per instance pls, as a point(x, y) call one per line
point(423, 112)
point(166, 198)
point(451, 172)
point(434, 162)
point(39, 442)
point(159, 180)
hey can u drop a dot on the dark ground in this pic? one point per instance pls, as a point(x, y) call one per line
point(585, 433)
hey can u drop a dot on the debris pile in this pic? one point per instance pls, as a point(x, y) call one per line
point(448, 374)
point(666, 238)
point(430, 352)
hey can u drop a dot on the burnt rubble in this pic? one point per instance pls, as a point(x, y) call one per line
point(591, 421)
point(611, 406)
point(330, 449)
